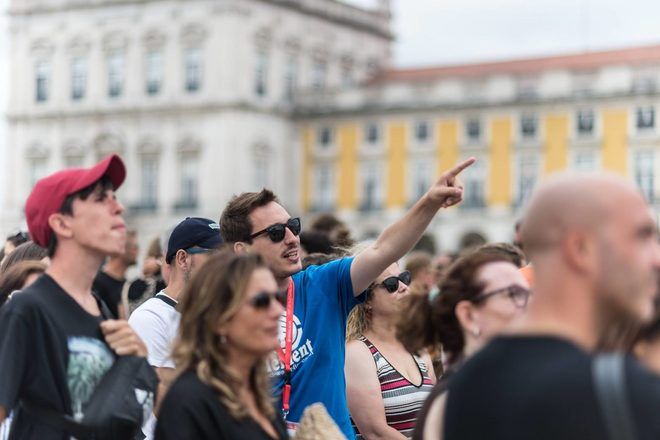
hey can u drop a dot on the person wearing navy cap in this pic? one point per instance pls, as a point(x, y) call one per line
point(156, 321)
point(55, 346)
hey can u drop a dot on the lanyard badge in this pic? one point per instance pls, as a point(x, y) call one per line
point(285, 356)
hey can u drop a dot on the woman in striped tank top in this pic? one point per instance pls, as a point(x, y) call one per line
point(386, 385)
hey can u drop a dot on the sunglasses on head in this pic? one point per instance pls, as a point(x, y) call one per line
point(391, 284)
point(261, 301)
point(277, 231)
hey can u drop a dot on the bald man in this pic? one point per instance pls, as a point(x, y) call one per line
point(596, 256)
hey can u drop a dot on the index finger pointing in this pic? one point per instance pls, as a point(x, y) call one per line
point(461, 166)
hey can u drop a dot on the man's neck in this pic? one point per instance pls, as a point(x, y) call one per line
point(116, 268)
point(175, 286)
point(573, 320)
point(74, 270)
point(283, 283)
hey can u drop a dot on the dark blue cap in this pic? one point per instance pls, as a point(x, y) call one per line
point(193, 232)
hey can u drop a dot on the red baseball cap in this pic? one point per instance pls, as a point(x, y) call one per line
point(49, 193)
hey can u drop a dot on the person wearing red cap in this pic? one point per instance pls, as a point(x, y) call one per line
point(55, 345)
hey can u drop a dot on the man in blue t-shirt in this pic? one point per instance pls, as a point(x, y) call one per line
point(323, 295)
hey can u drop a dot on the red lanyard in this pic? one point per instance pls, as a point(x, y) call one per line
point(285, 356)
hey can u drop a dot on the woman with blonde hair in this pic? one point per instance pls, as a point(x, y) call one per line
point(230, 314)
point(386, 384)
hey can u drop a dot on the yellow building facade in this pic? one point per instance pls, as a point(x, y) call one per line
point(371, 158)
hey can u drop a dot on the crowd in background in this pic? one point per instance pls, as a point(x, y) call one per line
point(251, 321)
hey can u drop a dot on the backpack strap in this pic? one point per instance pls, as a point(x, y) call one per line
point(608, 372)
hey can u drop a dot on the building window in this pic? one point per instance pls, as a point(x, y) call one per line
point(324, 136)
point(347, 80)
point(42, 81)
point(422, 131)
point(528, 126)
point(193, 69)
point(261, 74)
point(422, 178)
point(78, 78)
point(324, 187)
point(645, 82)
point(115, 74)
point(585, 123)
point(261, 171)
point(290, 78)
point(645, 120)
point(319, 73)
point(473, 130)
point(372, 133)
point(149, 181)
point(154, 72)
point(189, 179)
point(584, 161)
point(527, 177)
point(644, 164)
point(370, 187)
point(583, 84)
point(37, 168)
point(74, 161)
point(527, 88)
point(474, 184)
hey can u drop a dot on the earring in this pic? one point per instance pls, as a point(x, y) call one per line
point(223, 339)
point(476, 332)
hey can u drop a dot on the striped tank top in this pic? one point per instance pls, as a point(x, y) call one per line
point(401, 398)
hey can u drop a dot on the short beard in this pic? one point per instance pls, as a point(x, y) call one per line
point(617, 327)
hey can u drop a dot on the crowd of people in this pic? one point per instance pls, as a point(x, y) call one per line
point(251, 327)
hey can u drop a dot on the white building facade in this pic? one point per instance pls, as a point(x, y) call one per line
point(195, 95)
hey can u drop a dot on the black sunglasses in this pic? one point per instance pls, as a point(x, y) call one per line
point(518, 294)
point(261, 301)
point(277, 231)
point(391, 284)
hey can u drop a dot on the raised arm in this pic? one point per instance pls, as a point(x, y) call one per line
point(398, 238)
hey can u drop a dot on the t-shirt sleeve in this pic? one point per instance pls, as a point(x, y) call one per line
point(14, 365)
point(152, 329)
point(338, 273)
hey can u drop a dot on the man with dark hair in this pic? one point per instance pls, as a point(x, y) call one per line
point(55, 346)
point(310, 366)
point(111, 279)
point(596, 259)
point(156, 321)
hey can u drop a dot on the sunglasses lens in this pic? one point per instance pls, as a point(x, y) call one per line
point(294, 225)
point(261, 301)
point(276, 233)
point(391, 284)
point(405, 277)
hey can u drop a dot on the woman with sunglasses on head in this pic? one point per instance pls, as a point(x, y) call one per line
point(229, 324)
point(481, 293)
point(386, 384)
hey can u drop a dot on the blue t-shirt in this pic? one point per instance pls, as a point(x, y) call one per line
point(323, 299)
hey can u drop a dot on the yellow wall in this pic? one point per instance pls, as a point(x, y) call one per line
point(348, 162)
point(447, 145)
point(499, 177)
point(307, 142)
point(615, 145)
point(556, 144)
point(397, 140)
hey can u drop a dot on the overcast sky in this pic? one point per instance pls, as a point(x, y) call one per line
point(454, 31)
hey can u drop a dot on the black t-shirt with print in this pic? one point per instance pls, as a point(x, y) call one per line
point(192, 410)
point(540, 387)
point(52, 354)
